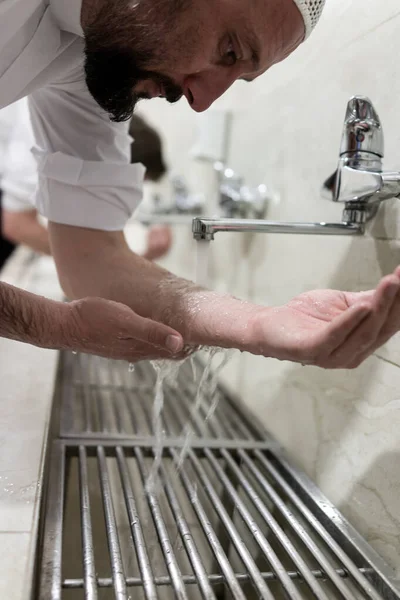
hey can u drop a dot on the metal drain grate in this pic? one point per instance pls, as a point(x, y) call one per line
point(234, 521)
point(101, 398)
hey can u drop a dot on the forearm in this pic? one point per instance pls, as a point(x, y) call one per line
point(37, 238)
point(24, 228)
point(112, 271)
point(33, 319)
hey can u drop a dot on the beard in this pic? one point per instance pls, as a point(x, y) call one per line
point(120, 45)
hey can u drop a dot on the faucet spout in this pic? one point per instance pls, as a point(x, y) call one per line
point(205, 229)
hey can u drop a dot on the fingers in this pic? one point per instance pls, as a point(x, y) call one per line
point(155, 334)
point(107, 328)
point(363, 339)
point(344, 325)
point(390, 328)
point(134, 351)
point(357, 297)
point(392, 324)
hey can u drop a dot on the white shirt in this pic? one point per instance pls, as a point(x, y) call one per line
point(85, 175)
point(18, 171)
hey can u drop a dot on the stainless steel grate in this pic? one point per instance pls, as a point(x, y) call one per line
point(236, 520)
point(102, 398)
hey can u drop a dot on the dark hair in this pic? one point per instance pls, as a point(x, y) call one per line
point(147, 148)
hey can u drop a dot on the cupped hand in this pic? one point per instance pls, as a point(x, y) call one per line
point(329, 328)
point(113, 330)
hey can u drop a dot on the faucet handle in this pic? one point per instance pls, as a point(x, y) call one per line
point(354, 185)
point(362, 130)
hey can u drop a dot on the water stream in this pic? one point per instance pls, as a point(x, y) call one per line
point(204, 391)
point(202, 262)
point(166, 370)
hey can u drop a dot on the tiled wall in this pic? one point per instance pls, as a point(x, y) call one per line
point(343, 428)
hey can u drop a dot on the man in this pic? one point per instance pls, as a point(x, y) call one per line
point(84, 65)
point(19, 220)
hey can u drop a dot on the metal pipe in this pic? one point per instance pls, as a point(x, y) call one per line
point(187, 538)
point(149, 442)
point(205, 229)
point(162, 532)
point(237, 541)
point(114, 401)
point(214, 579)
point(204, 520)
point(89, 569)
point(97, 398)
point(111, 527)
point(51, 576)
point(138, 537)
point(287, 584)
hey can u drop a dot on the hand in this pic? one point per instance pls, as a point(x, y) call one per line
point(331, 329)
point(113, 330)
point(159, 241)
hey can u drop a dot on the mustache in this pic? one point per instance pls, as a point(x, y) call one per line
point(172, 92)
point(111, 77)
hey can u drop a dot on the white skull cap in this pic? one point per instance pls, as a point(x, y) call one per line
point(311, 11)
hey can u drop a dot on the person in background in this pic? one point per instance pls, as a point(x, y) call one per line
point(147, 149)
point(19, 219)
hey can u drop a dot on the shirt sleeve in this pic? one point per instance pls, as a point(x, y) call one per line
point(83, 160)
point(19, 178)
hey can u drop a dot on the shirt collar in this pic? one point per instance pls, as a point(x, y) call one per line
point(67, 14)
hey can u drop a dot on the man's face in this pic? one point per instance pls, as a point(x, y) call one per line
point(195, 48)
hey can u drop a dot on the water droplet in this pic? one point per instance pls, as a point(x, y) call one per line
point(74, 352)
point(131, 367)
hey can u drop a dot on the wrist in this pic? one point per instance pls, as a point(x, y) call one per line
point(257, 340)
point(66, 327)
point(221, 320)
point(49, 327)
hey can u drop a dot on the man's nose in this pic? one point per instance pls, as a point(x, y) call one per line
point(202, 89)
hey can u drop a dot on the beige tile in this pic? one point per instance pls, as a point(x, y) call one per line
point(14, 552)
point(27, 378)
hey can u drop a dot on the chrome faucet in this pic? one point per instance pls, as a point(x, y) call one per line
point(239, 200)
point(360, 182)
point(184, 201)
